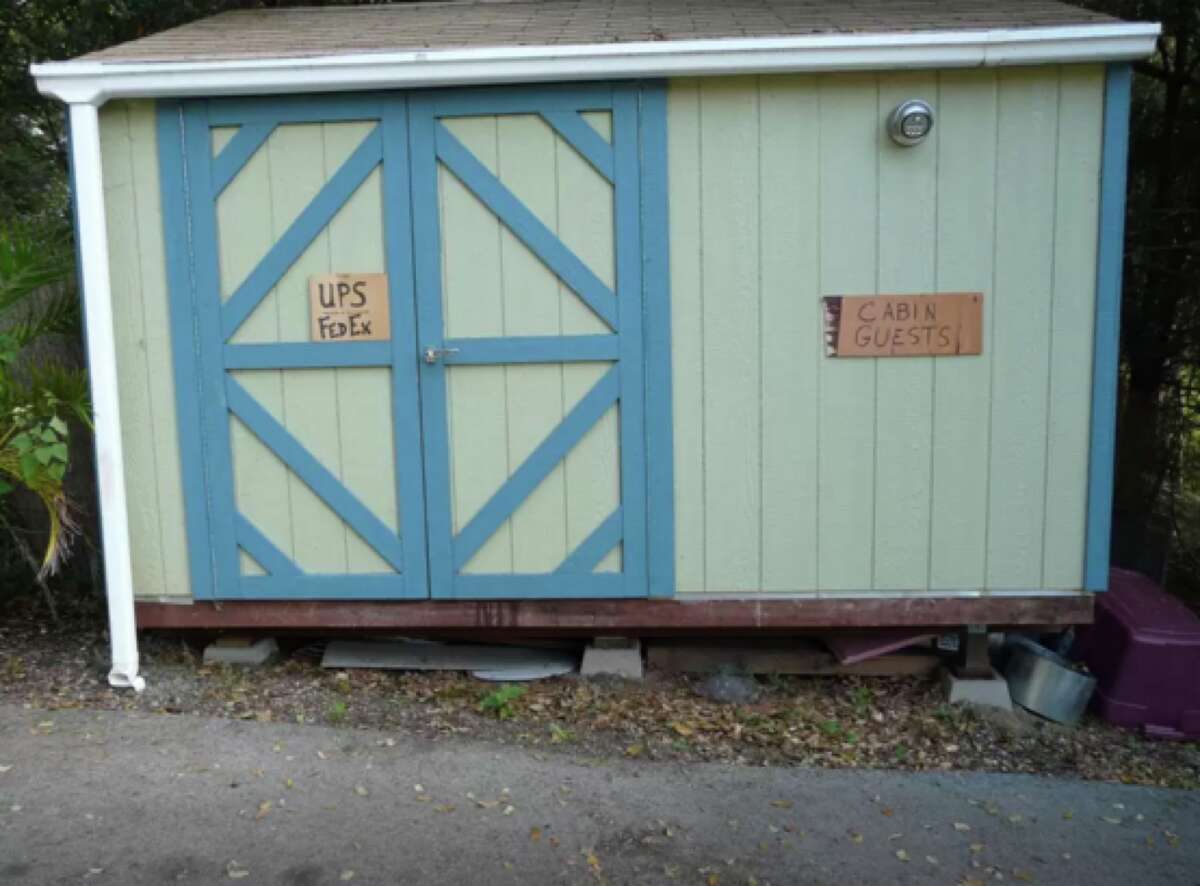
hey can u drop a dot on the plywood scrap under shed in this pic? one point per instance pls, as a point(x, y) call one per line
point(485, 662)
point(799, 657)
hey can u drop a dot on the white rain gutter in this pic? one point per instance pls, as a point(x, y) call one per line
point(102, 366)
point(95, 82)
point(86, 85)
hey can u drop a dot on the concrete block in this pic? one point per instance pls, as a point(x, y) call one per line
point(241, 651)
point(990, 692)
point(613, 659)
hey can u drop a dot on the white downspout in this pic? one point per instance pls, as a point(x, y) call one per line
point(102, 366)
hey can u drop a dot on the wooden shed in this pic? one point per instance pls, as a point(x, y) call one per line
point(604, 316)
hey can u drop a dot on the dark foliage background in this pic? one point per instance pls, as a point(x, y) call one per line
point(1157, 512)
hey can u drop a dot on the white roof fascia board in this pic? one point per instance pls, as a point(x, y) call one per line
point(94, 82)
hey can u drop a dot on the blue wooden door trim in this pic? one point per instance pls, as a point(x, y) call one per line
point(531, 472)
point(315, 475)
point(525, 225)
point(258, 546)
point(584, 138)
point(632, 428)
point(1106, 347)
point(410, 142)
point(314, 219)
point(201, 325)
point(588, 554)
point(172, 152)
point(656, 338)
point(626, 311)
point(231, 158)
point(402, 301)
point(213, 408)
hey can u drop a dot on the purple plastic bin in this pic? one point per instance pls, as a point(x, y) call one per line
point(1144, 649)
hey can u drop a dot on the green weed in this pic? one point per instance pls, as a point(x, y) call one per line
point(500, 703)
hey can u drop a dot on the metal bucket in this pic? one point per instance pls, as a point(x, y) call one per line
point(1046, 683)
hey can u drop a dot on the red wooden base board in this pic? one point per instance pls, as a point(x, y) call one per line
point(633, 617)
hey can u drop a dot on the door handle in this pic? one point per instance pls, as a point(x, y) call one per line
point(432, 355)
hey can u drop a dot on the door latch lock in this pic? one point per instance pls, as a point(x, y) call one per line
point(432, 355)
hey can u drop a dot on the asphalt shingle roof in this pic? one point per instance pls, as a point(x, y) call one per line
point(307, 31)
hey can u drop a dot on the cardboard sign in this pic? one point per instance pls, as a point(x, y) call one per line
point(936, 324)
point(349, 307)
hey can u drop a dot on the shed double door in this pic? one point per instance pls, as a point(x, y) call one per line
point(492, 446)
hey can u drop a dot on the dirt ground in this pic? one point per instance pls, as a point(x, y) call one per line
point(876, 723)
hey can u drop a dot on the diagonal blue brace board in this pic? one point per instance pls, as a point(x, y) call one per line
point(526, 227)
point(324, 484)
point(581, 136)
point(315, 217)
point(237, 153)
point(258, 546)
point(534, 469)
point(591, 550)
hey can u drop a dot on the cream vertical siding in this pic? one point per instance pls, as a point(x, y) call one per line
point(140, 314)
point(798, 473)
point(794, 473)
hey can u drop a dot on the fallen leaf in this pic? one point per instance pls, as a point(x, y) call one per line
point(634, 750)
point(509, 810)
point(976, 848)
point(4, 769)
point(445, 807)
point(932, 859)
point(235, 871)
point(782, 804)
point(264, 809)
point(535, 834)
point(887, 811)
point(683, 729)
point(1110, 820)
point(593, 860)
point(361, 791)
point(856, 838)
point(1024, 876)
point(902, 855)
point(347, 875)
point(962, 826)
point(1068, 815)
point(289, 784)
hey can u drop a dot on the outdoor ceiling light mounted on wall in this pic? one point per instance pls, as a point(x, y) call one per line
point(910, 122)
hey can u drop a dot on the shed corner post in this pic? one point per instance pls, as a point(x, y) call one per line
point(1106, 354)
point(92, 235)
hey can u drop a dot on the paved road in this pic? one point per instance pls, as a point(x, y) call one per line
point(117, 798)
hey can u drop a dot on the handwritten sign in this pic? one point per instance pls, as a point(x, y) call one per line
point(936, 324)
point(349, 307)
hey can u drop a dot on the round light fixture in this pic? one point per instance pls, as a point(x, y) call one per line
point(910, 122)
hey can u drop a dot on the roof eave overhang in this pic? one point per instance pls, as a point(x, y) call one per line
point(94, 82)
